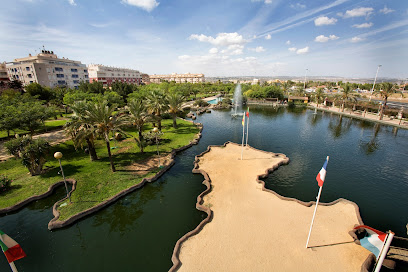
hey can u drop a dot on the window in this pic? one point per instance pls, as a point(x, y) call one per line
point(86, 76)
point(59, 69)
point(85, 71)
point(61, 82)
point(31, 82)
point(27, 68)
point(76, 81)
point(60, 75)
point(74, 76)
point(29, 75)
point(74, 70)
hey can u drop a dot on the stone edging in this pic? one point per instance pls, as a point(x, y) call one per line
point(55, 223)
point(176, 252)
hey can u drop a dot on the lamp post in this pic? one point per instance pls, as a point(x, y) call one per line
point(58, 156)
point(304, 85)
point(156, 131)
point(375, 79)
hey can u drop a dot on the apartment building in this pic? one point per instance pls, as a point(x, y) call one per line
point(47, 69)
point(178, 78)
point(107, 75)
point(3, 72)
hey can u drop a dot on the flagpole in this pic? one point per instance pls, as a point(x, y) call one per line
point(384, 251)
point(12, 265)
point(314, 214)
point(247, 131)
point(243, 135)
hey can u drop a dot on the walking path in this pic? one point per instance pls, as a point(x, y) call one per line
point(253, 229)
point(360, 115)
point(54, 137)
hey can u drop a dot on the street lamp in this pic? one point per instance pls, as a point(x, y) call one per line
point(156, 131)
point(372, 90)
point(58, 156)
point(304, 85)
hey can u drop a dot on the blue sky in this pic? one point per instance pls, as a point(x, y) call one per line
point(348, 38)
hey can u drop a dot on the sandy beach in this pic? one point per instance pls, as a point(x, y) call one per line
point(256, 230)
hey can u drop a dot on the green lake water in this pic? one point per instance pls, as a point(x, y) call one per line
point(368, 165)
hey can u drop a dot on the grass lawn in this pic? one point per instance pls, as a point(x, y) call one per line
point(95, 181)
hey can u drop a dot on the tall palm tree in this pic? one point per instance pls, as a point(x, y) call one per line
point(319, 94)
point(175, 102)
point(157, 104)
point(346, 95)
point(79, 130)
point(101, 116)
point(387, 89)
point(138, 116)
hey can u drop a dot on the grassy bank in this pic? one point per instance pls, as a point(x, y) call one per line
point(95, 181)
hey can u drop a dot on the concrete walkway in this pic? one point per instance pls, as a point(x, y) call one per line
point(360, 115)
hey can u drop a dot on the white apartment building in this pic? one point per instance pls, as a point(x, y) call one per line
point(48, 70)
point(3, 72)
point(178, 78)
point(107, 75)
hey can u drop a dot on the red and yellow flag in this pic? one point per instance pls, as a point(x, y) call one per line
point(247, 113)
point(243, 120)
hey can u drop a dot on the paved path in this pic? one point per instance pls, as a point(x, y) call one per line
point(54, 137)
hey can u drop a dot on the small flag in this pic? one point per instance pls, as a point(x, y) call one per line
point(322, 174)
point(374, 239)
point(11, 248)
point(247, 113)
point(243, 120)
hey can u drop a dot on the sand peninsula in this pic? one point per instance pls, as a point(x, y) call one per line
point(251, 228)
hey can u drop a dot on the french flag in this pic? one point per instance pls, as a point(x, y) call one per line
point(374, 239)
point(322, 174)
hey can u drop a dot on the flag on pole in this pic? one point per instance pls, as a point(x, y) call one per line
point(322, 174)
point(373, 240)
point(247, 113)
point(243, 120)
point(11, 248)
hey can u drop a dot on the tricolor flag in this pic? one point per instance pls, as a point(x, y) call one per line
point(374, 239)
point(243, 120)
point(322, 174)
point(11, 248)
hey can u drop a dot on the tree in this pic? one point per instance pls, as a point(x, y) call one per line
point(157, 104)
point(36, 90)
point(387, 89)
point(319, 94)
point(32, 115)
point(103, 120)
point(80, 131)
point(94, 87)
point(175, 102)
point(138, 116)
point(346, 95)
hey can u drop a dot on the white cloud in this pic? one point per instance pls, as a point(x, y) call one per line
point(268, 37)
point(386, 10)
point(184, 57)
point(213, 50)
point(358, 12)
point(303, 50)
point(233, 49)
point(265, 1)
point(356, 39)
point(258, 49)
point(325, 21)
point(297, 6)
point(72, 2)
point(147, 5)
point(288, 42)
point(292, 49)
point(222, 39)
point(365, 25)
point(322, 38)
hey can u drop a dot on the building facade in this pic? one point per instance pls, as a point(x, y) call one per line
point(178, 78)
point(3, 72)
point(107, 75)
point(48, 70)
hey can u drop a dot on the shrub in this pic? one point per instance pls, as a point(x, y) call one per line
point(200, 103)
point(5, 183)
point(33, 155)
point(16, 146)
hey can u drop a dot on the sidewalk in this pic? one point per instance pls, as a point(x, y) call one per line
point(360, 115)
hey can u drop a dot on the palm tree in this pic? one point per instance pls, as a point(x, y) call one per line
point(101, 116)
point(79, 130)
point(319, 94)
point(157, 104)
point(138, 116)
point(175, 102)
point(346, 95)
point(387, 89)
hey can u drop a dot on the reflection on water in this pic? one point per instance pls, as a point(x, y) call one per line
point(368, 165)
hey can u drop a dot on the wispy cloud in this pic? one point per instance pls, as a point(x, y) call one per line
point(292, 49)
point(72, 2)
point(358, 12)
point(364, 25)
point(356, 39)
point(265, 1)
point(386, 10)
point(324, 20)
point(323, 39)
point(297, 6)
point(257, 49)
point(147, 5)
point(268, 37)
